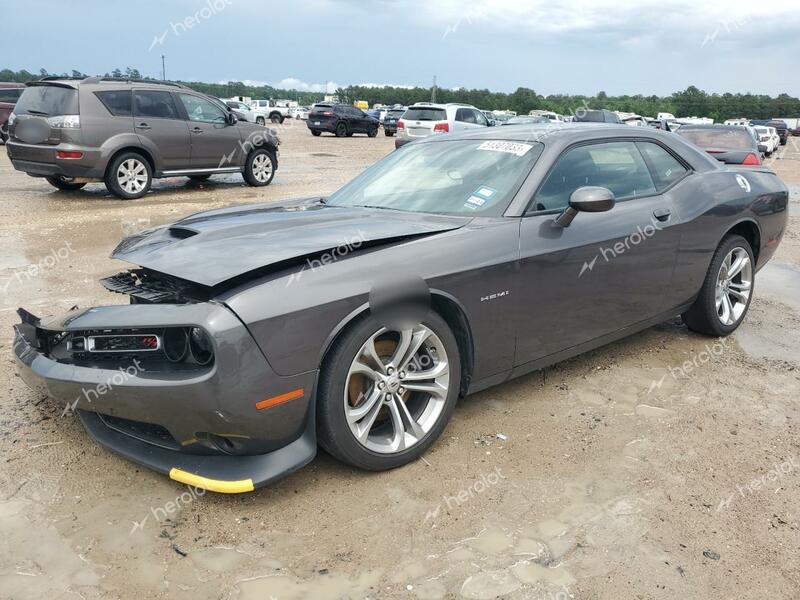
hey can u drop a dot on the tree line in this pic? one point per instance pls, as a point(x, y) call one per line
point(691, 102)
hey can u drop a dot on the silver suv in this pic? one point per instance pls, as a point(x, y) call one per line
point(126, 133)
point(424, 118)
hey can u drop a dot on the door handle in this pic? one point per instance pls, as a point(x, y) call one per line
point(143, 126)
point(662, 214)
point(197, 130)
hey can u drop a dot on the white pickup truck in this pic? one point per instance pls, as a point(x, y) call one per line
point(274, 111)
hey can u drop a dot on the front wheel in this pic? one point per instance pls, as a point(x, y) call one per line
point(727, 290)
point(372, 132)
point(260, 167)
point(316, 133)
point(64, 185)
point(129, 176)
point(387, 394)
point(260, 121)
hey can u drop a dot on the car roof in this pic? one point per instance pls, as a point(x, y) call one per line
point(549, 132)
point(76, 82)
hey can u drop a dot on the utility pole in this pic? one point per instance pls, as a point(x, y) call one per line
point(163, 68)
point(433, 91)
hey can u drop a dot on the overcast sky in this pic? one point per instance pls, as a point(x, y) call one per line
point(576, 46)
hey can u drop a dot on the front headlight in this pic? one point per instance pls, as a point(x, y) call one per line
point(12, 119)
point(65, 122)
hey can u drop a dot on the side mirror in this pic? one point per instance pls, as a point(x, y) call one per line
point(762, 148)
point(586, 199)
point(232, 120)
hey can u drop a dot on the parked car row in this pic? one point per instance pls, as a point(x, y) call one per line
point(125, 133)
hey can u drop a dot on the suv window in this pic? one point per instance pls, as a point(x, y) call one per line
point(48, 101)
point(617, 166)
point(480, 118)
point(118, 103)
point(665, 168)
point(202, 110)
point(153, 104)
point(425, 113)
point(10, 94)
point(465, 115)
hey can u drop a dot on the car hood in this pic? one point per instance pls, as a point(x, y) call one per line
point(213, 247)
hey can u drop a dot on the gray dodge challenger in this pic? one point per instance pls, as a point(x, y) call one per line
point(354, 322)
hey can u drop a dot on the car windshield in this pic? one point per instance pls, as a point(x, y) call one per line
point(460, 177)
point(733, 139)
point(48, 101)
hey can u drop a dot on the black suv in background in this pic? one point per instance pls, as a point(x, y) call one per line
point(341, 120)
point(391, 119)
point(125, 133)
point(9, 94)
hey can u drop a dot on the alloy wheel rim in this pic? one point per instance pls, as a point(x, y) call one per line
point(132, 176)
point(262, 167)
point(396, 388)
point(734, 286)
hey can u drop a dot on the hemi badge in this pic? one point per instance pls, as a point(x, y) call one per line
point(277, 400)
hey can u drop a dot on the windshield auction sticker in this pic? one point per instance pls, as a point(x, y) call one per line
point(480, 197)
point(508, 147)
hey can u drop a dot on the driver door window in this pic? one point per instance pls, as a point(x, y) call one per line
point(201, 110)
point(617, 166)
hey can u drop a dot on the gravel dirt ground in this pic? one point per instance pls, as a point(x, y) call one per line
point(663, 466)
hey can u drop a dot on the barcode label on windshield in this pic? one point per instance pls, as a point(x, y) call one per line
point(509, 147)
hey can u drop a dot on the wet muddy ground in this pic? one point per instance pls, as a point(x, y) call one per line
point(663, 466)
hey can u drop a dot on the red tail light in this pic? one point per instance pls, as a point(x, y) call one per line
point(751, 161)
point(401, 125)
point(327, 113)
point(441, 128)
point(66, 154)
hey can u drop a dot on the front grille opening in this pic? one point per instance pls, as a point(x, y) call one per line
point(150, 287)
point(144, 432)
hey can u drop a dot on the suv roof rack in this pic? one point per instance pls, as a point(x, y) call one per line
point(96, 79)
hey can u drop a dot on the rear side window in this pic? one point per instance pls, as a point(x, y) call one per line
point(48, 101)
point(665, 168)
point(732, 139)
point(617, 166)
point(10, 94)
point(154, 104)
point(424, 113)
point(118, 103)
point(465, 115)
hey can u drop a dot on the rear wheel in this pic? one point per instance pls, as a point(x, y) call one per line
point(260, 167)
point(316, 133)
point(372, 132)
point(386, 395)
point(63, 184)
point(727, 290)
point(260, 121)
point(129, 176)
point(276, 118)
point(341, 130)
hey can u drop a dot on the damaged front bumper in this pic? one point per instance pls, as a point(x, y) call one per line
point(214, 426)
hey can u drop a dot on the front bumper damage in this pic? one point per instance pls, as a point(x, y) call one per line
point(212, 427)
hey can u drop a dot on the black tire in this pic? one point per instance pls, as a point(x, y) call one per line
point(3, 136)
point(334, 433)
point(63, 185)
point(199, 178)
point(316, 133)
point(372, 132)
point(702, 316)
point(341, 129)
point(276, 118)
point(261, 121)
point(251, 173)
point(112, 180)
point(388, 133)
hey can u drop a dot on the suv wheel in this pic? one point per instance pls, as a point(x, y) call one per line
point(129, 176)
point(63, 184)
point(341, 130)
point(276, 118)
point(316, 133)
point(260, 121)
point(260, 167)
point(373, 131)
